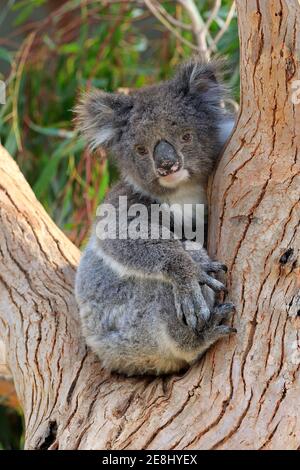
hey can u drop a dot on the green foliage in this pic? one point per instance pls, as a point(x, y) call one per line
point(79, 45)
point(47, 57)
point(11, 428)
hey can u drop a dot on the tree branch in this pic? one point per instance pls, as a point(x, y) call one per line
point(198, 25)
point(155, 11)
point(224, 28)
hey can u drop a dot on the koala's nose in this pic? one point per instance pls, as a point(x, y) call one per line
point(166, 159)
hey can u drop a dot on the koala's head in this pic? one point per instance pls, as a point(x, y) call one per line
point(161, 135)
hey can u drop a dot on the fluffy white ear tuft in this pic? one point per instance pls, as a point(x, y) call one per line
point(102, 137)
point(101, 116)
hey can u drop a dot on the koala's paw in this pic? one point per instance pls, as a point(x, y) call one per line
point(190, 305)
point(215, 328)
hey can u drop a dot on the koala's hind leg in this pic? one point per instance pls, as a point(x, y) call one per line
point(118, 354)
point(129, 350)
point(216, 329)
point(113, 352)
point(190, 346)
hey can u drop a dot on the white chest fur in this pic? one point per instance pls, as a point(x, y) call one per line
point(188, 204)
point(188, 193)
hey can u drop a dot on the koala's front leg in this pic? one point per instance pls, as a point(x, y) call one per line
point(166, 259)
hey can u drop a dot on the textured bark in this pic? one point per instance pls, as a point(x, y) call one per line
point(245, 392)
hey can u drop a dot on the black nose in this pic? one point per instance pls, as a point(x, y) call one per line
point(166, 159)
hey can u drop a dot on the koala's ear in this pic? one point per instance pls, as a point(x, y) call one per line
point(198, 77)
point(101, 116)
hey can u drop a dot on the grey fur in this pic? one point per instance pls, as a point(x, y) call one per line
point(148, 306)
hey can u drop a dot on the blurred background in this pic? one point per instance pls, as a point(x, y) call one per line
point(52, 49)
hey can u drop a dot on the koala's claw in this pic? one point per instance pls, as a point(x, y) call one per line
point(223, 267)
point(214, 267)
point(191, 307)
point(224, 330)
point(211, 282)
point(223, 312)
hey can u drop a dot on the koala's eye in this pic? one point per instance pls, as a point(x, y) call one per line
point(141, 149)
point(186, 137)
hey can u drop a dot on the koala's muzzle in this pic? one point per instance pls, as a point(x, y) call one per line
point(166, 159)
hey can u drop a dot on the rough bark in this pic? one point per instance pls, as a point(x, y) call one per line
point(245, 392)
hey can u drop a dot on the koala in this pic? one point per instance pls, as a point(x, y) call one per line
point(149, 306)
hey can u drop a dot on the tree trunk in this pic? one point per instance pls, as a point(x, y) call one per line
point(245, 393)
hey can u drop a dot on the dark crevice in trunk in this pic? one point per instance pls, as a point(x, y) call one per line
point(50, 436)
